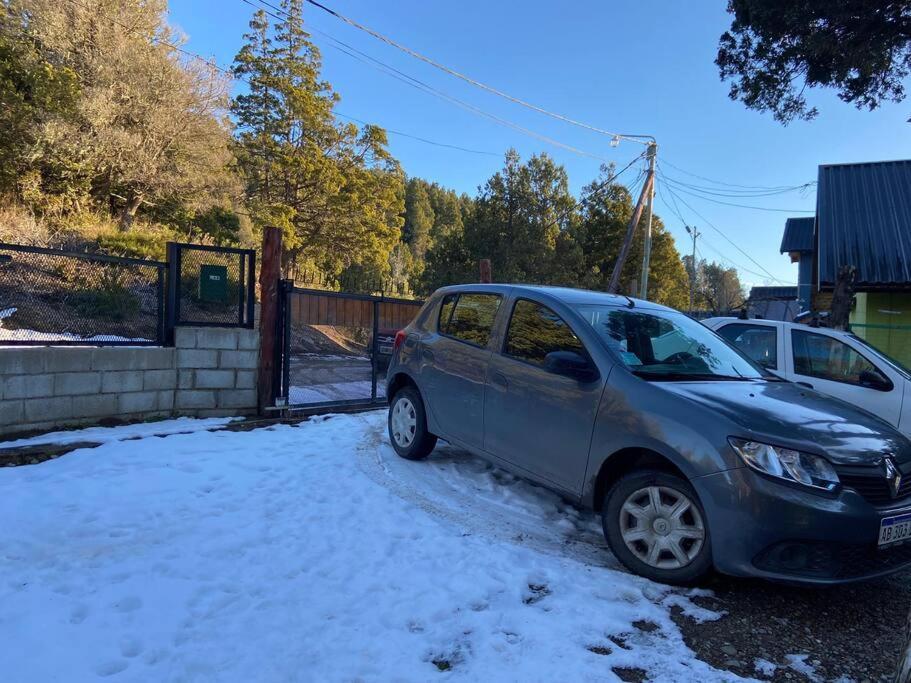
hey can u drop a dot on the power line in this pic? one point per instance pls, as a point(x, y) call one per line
point(739, 206)
point(642, 139)
point(718, 230)
point(416, 137)
point(739, 194)
point(231, 74)
point(399, 75)
point(676, 211)
point(611, 180)
point(721, 182)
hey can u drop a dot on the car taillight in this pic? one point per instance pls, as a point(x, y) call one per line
point(399, 339)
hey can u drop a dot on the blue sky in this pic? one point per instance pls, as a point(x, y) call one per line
point(638, 67)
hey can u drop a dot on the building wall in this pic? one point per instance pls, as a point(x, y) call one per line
point(209, 372)
point(884, 320)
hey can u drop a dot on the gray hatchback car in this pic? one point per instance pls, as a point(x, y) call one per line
point(694, 456)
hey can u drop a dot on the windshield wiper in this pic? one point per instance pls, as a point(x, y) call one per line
point(694, 376)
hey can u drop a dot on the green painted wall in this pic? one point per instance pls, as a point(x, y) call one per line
point(884, 320)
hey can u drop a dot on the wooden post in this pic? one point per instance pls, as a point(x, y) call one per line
point(486, 274)
point(630, 230)
point(269, 274)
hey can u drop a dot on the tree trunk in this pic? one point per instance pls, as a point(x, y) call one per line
point(842, 298)
point(128, 213)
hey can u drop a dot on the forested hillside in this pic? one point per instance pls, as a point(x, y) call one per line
point(115, 138)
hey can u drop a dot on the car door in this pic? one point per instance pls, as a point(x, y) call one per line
point(831, 365)
point(454, 364)
point(759, 341)
point(535, 419)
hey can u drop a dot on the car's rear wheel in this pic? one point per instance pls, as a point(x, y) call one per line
point(656, 526)
point(408, 425)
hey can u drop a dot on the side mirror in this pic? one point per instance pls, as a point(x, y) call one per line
point(873, 380)
point(570, 364)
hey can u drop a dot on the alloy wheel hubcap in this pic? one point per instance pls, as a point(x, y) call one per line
point(404, 421)
point(662, 527)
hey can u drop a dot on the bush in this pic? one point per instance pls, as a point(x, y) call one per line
point(145, 242)
point(110, 300)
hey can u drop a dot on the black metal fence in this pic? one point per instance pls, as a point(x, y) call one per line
point(56, 297)
point(48, 296)
point(210, 286)
point(333, 348)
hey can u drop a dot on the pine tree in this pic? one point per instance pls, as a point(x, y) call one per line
point(335, 191)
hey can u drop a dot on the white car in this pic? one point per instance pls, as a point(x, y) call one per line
point(832, 362)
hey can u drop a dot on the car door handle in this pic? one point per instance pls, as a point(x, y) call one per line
point(805, 384)
point(427, 354)
point(499, 379)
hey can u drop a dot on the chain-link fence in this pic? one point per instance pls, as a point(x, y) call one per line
point(211, 285)
point(55, 297)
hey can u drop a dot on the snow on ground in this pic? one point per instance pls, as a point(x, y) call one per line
point(800, 664)
point(35, 336)
point(313, 553)
point(135, 431)
point(334, 391)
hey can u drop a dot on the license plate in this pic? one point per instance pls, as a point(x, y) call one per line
point(386, 350)
point(895, 529)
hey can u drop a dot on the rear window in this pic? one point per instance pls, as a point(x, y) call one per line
point(759, 342)
point(469, 317)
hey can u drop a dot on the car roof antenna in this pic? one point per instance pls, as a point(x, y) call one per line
point(631, 303)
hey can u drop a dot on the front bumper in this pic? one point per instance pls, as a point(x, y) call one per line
point(763, 528)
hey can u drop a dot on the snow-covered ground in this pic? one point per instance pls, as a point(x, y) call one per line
point(7, 334)
point(313, 553)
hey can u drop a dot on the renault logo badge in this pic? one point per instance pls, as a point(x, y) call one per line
point(893, 476)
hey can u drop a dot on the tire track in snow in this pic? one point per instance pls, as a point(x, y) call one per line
point(484, 500)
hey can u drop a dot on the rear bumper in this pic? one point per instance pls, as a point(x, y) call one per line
point(766, 529)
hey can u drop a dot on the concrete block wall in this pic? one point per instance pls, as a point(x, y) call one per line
point(216, 370)
point(209, 372)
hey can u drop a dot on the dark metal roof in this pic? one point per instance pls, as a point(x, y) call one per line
point(798, 234)
point(863, 214)
point(773, 293)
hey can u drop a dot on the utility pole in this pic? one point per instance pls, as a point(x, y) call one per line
point(695, 234)
point(651, 155)
point(647, 188)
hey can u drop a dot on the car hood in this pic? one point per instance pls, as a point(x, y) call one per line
point(785, 414)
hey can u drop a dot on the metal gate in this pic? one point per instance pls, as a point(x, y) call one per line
point(336, 346)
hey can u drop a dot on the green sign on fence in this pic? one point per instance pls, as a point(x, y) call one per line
point(213, 283)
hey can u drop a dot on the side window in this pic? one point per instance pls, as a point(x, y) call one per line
point(818, 355)
point(469, 317)
point(535, 331)
point(759, 342)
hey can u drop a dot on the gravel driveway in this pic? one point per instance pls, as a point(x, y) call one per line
point(850, 632)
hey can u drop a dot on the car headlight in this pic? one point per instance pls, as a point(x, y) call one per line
point(784, 463)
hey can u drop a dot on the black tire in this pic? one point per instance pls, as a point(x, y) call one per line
point(422, 441)
point(612, 516)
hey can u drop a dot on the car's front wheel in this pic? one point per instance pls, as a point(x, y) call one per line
point(408, 425)
point(656, 526)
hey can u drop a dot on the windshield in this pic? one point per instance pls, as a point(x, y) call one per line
point(896, 365)
point(666, 345)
